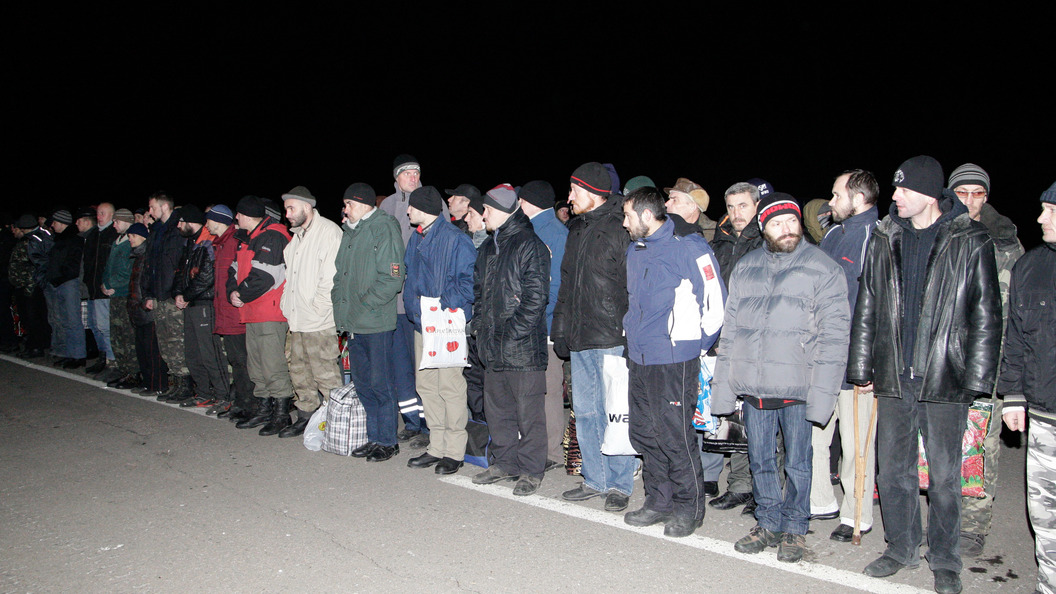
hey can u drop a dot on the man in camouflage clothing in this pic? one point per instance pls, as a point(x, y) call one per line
point(971, 184)
point(29, 261)
point(116, 275)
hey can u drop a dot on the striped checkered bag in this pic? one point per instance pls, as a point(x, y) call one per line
point(346, 421)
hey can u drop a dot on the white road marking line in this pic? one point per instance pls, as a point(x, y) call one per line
point(719, 547)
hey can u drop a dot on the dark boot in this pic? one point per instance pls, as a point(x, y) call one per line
point(260, 416)
point(97, 367)
point(297, 428)
point(280, 417)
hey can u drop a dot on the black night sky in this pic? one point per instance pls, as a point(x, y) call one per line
point(109, 101)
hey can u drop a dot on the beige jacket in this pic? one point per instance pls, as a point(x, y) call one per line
point(310, 270)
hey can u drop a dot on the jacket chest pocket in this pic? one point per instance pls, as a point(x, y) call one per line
point(1037, 313)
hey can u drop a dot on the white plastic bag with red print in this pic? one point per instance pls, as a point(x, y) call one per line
point(443, 336)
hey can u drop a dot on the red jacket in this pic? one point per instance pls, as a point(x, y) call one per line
point(260, 273)
point(228, 319)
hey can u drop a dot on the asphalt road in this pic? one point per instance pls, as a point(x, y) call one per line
point(104, 491)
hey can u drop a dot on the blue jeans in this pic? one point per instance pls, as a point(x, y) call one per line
point(403, 368)
point(777, 512)
point(99, 324)
point(600, 472)
point(897, 422)
point(370, 356)
point(71, 328)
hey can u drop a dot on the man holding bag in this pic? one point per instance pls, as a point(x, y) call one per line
point(439, 263)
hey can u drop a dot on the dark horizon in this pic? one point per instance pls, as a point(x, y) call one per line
point(113, 104)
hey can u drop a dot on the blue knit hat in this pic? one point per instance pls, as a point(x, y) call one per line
point(221, 214)
point(138, 229)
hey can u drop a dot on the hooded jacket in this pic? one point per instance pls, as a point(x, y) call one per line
point(592, 299)
point(785, 331)
point(675, 297)
point(1028, 368)
point(512, 282)
point(958, 336)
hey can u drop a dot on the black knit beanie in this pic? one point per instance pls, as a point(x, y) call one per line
point(427, 199)
point(921, 174)
point(593, 177)
point(251, 206)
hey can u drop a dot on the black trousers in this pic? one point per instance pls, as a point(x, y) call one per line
point(202, 352)
point(33, 315)
point(235, 353)
point(513, 403)
point(662, 399)
point(152, 367)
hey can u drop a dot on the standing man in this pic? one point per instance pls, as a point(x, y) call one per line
point(784, 351)
point(458, 204)
point(255, 285)
point(926, 335)
point(64, 281)
point(238, 405)
point(510, 293)
point(854, 217)
point(164, 250)
point(674, 314)
point(116, 276)
point(690, 201)
point(588, 324)
point(369, 277)
point(312, 348)
point(29, 263)
point(408, 174)
point(97, 243)
point(737, 234)
point(194, 290)
point(1028, 380)
point(439, 262)
point(537, 202)
point(971, 184)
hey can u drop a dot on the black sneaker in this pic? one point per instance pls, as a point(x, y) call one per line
point(791, 548)
point(758, 539)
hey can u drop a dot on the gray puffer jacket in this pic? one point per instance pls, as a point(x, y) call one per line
point(785, 333)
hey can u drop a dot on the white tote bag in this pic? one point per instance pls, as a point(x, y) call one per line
point(443, 336)
point(617, 441)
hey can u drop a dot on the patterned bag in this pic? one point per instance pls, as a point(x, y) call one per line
point(971, 452)
point(346, 421)
point(702, 419)
point(443, 336)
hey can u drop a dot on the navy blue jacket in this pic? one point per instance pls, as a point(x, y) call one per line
point(439, 264)
point(554, 234)
point(675, 297)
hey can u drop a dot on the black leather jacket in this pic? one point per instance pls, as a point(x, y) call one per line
point(511, 289)
point(196, 273)
point(592, 299)
point(959, 335)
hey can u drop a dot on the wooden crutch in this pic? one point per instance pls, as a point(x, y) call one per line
point(860, 455)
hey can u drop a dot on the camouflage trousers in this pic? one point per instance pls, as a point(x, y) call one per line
point(314, 369)
point(976, 513)
point(123, 336)
point(168, 319)
point(1041, 500)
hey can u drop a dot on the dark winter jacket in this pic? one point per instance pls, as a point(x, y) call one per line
point(675, 297)
point(1028, 368)
point(958, 336)
point(64, 262)
point(139, 315)
point(369, 275)
point(592, 299)
point(164, 250)
point(785, 331)
point(195, 278)
point(118, 267)
point(439, 264)
point(512, 282)
point(38, 246)
point(554, 234)
point(729, 247)
point(97, 245)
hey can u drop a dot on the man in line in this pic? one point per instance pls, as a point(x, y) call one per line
point(29, 264)
point(238, 404)
point(784, 351)
point(690, 201)
point(537, 201)
point(854, 217)
point(369, 276)
point(926, 335)
point(1028, 381)
point(194, 291)
point(116, 276)
point(64, 281)
point(254, 285)
point(737, 234)
point(458, 204)
point(971, 184)
point(312, 347)
point(97, 243)
point(673, 316)
point(439, 259)
point(511, 285)
point(588, 324)
point(164, 250)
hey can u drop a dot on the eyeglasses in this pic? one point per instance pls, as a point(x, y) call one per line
point(976, 195)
